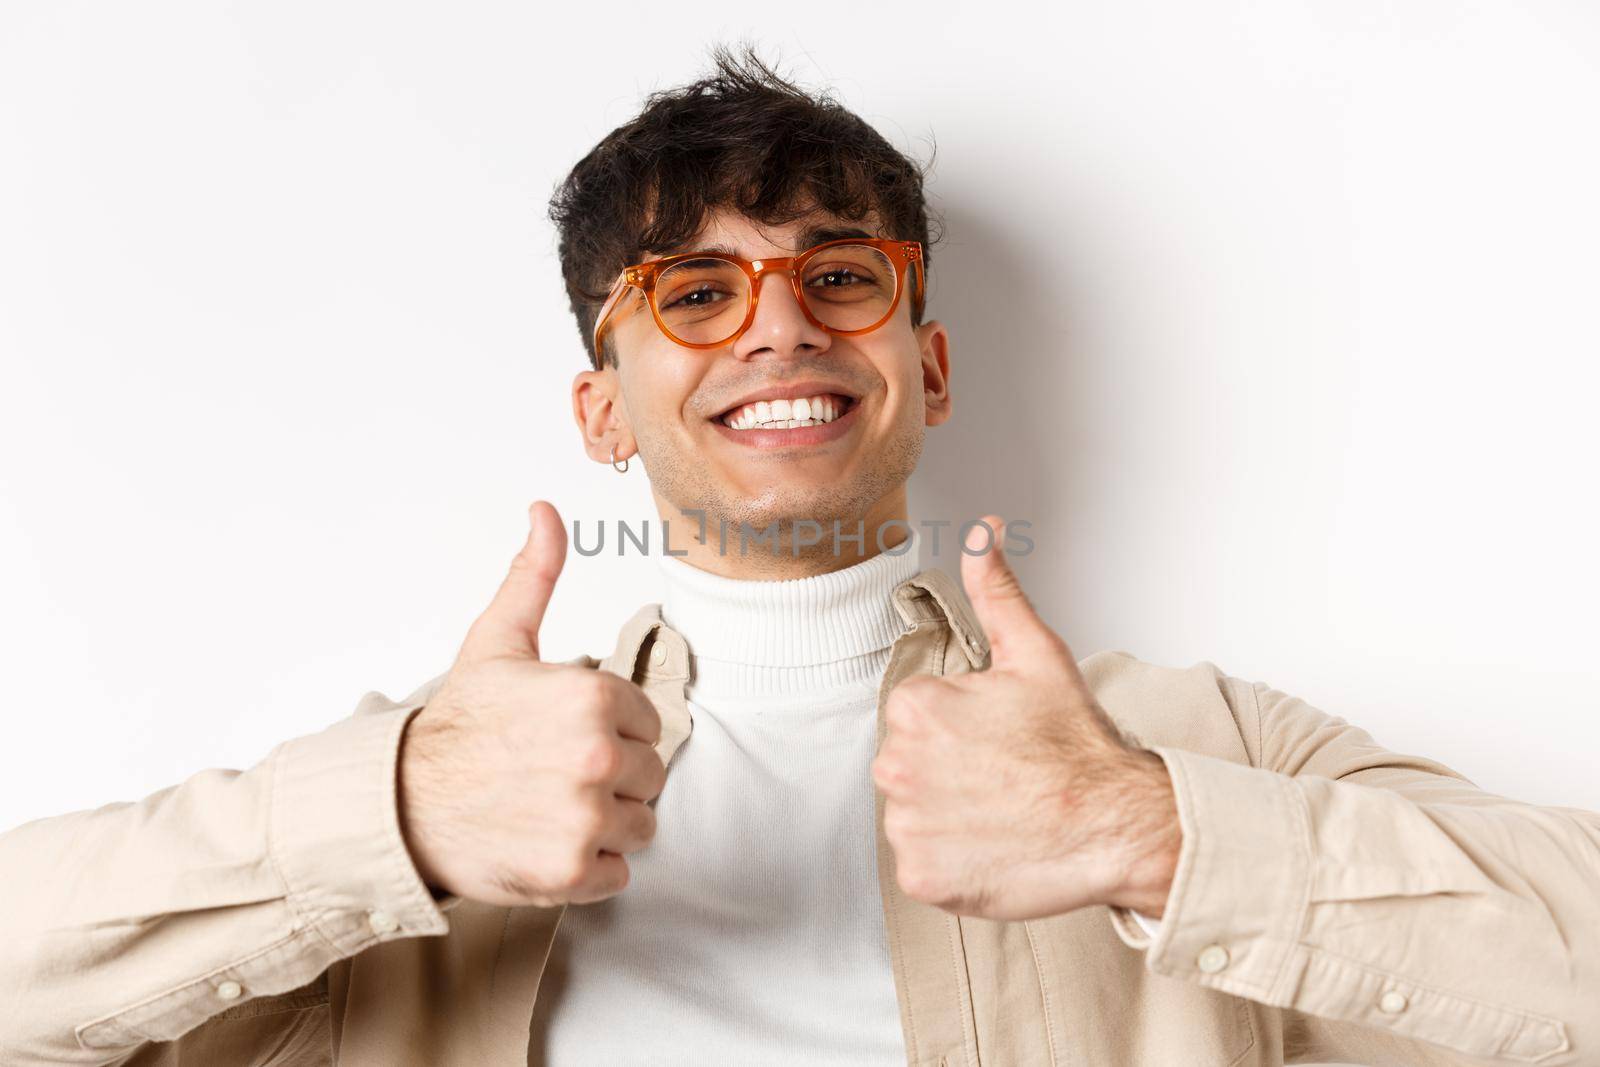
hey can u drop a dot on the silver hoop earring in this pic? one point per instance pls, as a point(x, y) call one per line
point(622, 469)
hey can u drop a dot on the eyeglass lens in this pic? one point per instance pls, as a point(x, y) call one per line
point(846, 287)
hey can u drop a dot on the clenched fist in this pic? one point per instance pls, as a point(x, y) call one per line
point(524, 782)
point(1009, 793)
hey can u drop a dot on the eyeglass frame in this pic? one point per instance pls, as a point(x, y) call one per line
point(905, 255)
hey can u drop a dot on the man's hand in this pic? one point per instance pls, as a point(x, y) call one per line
point(1010, 794)
point(523, 782)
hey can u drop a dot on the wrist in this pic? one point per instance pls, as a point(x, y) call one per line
point(411, 772)
point(1151, 840)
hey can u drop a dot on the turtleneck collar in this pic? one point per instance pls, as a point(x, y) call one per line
point(792, 635)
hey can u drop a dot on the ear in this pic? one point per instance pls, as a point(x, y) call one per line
point(602, 415)
point(934, 340)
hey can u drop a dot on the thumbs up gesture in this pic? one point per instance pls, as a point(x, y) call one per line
point(523, 782)
point(1009, 793)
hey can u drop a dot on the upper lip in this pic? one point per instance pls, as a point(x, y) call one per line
point(790, 391)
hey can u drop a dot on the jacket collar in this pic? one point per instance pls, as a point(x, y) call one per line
point(928, 596)
point(656, 656)
point(934, 596)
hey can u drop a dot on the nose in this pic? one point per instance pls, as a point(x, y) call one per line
point(780, 324)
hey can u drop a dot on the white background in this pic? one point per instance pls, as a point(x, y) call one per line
point(1277, 320)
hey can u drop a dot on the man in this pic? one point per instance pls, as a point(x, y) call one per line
point(903, 824)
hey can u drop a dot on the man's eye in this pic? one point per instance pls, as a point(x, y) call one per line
point(693, 298)
point(840, 273)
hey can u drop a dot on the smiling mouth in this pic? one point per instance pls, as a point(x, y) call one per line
point(817, 410)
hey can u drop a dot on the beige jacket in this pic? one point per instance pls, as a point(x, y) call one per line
point(1333, 901)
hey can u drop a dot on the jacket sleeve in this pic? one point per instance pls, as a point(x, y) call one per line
point(136, 921)
point(1394, 911)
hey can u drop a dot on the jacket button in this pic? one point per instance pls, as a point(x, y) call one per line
point(382, 922)
point(229, 990)
point(1212, 959)
point(658, 654)
point(1393, 1002)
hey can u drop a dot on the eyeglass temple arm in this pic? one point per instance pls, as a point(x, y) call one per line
point(623, 283)
point(921, 299)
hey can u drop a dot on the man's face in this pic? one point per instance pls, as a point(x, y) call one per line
point(674, 403)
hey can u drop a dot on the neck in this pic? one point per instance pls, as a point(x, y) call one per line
point(784, 548)
point(791, 636)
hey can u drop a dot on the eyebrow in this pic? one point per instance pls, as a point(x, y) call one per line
point(816, 235)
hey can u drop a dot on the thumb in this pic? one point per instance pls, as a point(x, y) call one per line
point(1015, 631)
point(509, 626)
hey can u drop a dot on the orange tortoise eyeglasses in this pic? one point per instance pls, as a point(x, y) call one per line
point(708, 299)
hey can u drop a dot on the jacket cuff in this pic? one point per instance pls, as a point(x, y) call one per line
point(1149, 925)
point(1239, 893)
point(1136, 930)
point(335, 835)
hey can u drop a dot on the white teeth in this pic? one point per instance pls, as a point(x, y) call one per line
point(785, 414)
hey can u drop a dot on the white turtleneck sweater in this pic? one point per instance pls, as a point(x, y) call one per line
point(751, 930)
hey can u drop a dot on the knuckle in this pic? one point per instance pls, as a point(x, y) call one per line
point(570, 873)
point(588, 823)
point(653, 717)
point(656, 776)
point(632, 827)
point(645, 825)
point(599, 759)
point(917, 881)
point(902, 712)
point(522, 563)
point(630, 713)
point(591, 689)
point(888, 773)
point(899, 824)
point(606, 877)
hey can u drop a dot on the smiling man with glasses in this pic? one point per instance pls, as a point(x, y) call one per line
point(903, 823)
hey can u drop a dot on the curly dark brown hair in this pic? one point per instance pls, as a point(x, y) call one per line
point(744, 138)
